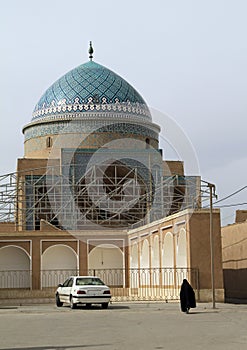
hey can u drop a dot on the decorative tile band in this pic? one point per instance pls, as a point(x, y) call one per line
point(53, 109)
point(88, 126)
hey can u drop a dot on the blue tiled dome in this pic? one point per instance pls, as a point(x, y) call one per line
point(87, 85)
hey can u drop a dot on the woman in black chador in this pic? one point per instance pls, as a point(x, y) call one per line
point(187, 297)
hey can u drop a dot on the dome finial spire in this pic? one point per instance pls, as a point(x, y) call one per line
point(90, 51)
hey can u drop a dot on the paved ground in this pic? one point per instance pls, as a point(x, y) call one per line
point(124, 326)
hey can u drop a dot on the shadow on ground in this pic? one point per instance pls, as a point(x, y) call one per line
point(67, 347)
point(98, 307)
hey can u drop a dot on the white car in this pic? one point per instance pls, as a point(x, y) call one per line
point(83, 290)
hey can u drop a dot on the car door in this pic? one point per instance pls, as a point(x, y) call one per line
point(66, 290)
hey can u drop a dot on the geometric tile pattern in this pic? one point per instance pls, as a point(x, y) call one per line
point(89, 86)
point(88, 126)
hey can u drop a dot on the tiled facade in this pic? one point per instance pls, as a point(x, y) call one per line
point(90, 86)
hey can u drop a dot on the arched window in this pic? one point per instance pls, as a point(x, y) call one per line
point(48, 142)
point(147, 142)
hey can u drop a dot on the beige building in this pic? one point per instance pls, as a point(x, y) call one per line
point(93, 195)
point(145, 263)
point(234, 258)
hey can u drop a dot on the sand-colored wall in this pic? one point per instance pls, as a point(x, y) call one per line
point(197, 227)
point(37, 147)
point(200, 252)
point(234, 260)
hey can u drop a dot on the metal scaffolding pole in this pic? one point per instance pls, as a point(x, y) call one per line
point(212, 193)
point(118, 194)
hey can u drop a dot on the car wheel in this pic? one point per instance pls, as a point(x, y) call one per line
point(58, 302)
point(104, 305)
point(72, 304)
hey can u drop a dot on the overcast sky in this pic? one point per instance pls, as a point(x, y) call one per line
point(187, 58)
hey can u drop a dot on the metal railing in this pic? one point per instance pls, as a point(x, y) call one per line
point(133, 284)
point(15, 279)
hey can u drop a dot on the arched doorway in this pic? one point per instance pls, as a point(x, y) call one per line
point(155, 253)
point(156, 261)
point(14, 267)
point(168, 251)
point(182, 249)
point(134, 268)
point(145, 264)
point(168, 260)
point(181, 256)
point(107, 262)
point(134, 256)
point(58, 262)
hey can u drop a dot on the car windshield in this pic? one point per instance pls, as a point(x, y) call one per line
point(94, 281)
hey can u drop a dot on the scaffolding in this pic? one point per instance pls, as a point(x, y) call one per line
point(117, 195)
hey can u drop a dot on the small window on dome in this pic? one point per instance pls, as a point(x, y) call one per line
point(49, 142)
point(147, 142)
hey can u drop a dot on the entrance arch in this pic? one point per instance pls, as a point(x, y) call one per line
point(156, 261)
point(134, 266)
point(168, 260)
point(14, 267)
point(107, 262)
point(182, 249)
point(155, 255)
point(168, 251)
point(145, 264)
point(181, 255)
point(134, 256)
point(58, 262)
